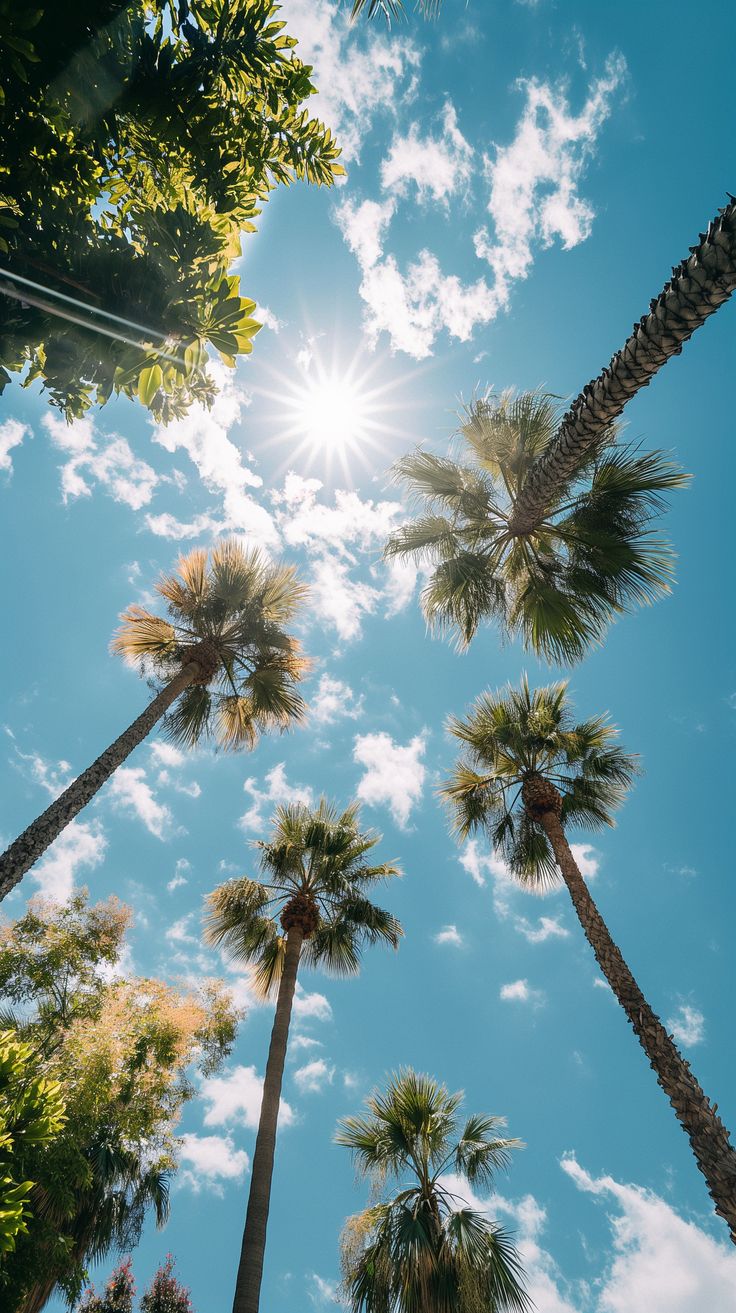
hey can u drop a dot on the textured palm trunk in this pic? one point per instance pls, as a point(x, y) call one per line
point(250, 1268)
point(714, 1153)
point(698, 286)
point(33, 842)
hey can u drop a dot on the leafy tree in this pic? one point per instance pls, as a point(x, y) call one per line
point(529, 773)
point(424, 1250)
point(591, 557)
point(311, 908)
point(124, 1051)
point(698, 286)
point(164, 1295)
point(226, 668)
point(31, 1115)
point(139, 140)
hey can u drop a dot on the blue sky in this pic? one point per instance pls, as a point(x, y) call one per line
point(521, 177)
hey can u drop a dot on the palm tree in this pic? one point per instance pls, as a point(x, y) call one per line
point(316, 876)
point(592, 556)
point(698, 286)
point(393, 8)
point(529, 773)
point(225, 663)
point(424, 1250)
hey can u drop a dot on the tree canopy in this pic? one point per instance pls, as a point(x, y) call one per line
point(31, 1114)
point(139, 139)
point(124, 1050)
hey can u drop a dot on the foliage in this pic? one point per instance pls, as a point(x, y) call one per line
point(424, 1250)
point(164, 1295)
point(315, 863)
point(31, 1115)
point(393, 8)
point(591, 557)
point(515, 735)
point(229, 611)
point(123, 1049)
point(139, 140)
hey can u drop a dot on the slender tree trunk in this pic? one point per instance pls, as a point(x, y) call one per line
point(714, 1153)
point(34, 841)
point(698, 286)
point(250, 1268)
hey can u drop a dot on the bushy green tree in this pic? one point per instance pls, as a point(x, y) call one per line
point(31, 1115)
point(124, 1050)
point(138, 141)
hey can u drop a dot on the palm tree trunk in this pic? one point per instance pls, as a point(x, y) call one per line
point(34, 841)
point(714, 1153)
point(250, 1268)
point(698, 286)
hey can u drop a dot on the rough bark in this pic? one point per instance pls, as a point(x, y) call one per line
point(250, 1268)
point(714, 1153)
point(33, 842)
point(698, 286)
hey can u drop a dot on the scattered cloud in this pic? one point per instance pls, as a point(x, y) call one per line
point(587, 859)
point(322, 1291)
point(310, 1007)
point(482, 866)
point(338, 599)
point(129, 790)
point(12, 433)
point(314, 1076)
point(299, 1042)
point(334, 700)
point(449, 934)
point(208, 1160)
point(179, 878)
point(687, 1026)
point(350, 521)
point(237, 1096)
point(276, 792)
point(81, 846)
point(547, 927)
point(520, 991)
point(438, 166)
point(660, 1261)
point(166, 755)
point(394, 775)
point(92, 459)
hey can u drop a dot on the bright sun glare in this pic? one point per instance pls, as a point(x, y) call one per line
point(332, 413)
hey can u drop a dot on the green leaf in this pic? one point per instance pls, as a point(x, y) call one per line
point(149, 382)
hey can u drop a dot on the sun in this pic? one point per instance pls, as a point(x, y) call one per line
point(330, 414)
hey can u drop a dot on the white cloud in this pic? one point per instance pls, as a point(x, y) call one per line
point(449, 934)
point(237, 1096)
point(81, 845)
point(54, 777)
point(438, 166)
point(129, 790)
point(520, 991)
point(394, 775)
point(547, 927)
point(167, 526)
point(299, 1042)
point(165, 754)
point(334, 699)
point(208, 1160)
point(110, 462)
point(203, 434)
point(323, 1291)
point(339, 600)
point(314, 1076)
point(12, 433)
point(310, 1007)
point(359, 73)
point(533, 202)
point(277, 791)
point(305, 521)
point(660, 1262)
point(687, 1026)
point(586, 858)
point(179, 932)
point(179, 878)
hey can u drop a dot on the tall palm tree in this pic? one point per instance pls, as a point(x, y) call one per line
point(529, 773)
point(698, 286)
point(311, 908)
point(591, 557)
point(226, 666)
point(424, 1250)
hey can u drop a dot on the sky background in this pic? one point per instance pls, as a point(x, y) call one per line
point(521, 178)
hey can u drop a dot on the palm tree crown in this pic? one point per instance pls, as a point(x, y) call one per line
point(424, 1250)
point(591, 556)
point(227, 615)
point(524, 751)
point(316, 878)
